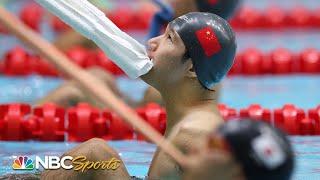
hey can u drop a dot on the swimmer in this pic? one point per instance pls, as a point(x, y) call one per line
point(237, 150)
point(189, 61)
point(69, 93)
point(241, 149)
point(169, 10)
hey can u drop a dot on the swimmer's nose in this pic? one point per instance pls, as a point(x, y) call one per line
point(150, 54)
point(153, 43)
point(152, 47)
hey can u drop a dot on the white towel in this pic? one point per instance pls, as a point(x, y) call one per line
point(88, 20)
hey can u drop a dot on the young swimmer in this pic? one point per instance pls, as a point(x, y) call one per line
point(248, 149)
point(168, 10)
point(190, 59)
point(241, 149)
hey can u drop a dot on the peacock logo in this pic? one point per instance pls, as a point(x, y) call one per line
point(23, 163)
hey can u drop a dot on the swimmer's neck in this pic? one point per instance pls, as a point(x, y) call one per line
point(181, 101)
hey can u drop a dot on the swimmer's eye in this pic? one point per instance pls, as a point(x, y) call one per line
point(170, 38)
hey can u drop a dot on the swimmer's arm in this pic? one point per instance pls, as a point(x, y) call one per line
point(71, 38)
point(188, 140)
point(125, 51)
point(185, 140)
point(65, 96)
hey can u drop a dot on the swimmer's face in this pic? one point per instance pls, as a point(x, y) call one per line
point(212, 162)
point(182, 7)
point(167, 52)
point(217, 144)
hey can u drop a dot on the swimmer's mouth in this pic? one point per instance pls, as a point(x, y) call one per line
point(150, 56)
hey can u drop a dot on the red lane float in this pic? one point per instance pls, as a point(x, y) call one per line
point(282, 61)
point(122, 17)
point(247, 18)
point(13, 122)
point(104, 62)
point(16, 62)
point(255, 111)
point(251, 61)
point(119, 130)
point(299, 17)
point(237, 66)
point(78, 55)
point(226, 112)
point(128, 18)
point(278, 61)
point(288, 118)
point(274, 17)
point(50, 123)
point(19, 62)
point(309, 61)
point(32, 15)
point(315, 115)
point(155, 115)
point(307, 127)
point(43, 67)
point(58, 25)
point(315, 18)
point(81, 122)
point(143, 16)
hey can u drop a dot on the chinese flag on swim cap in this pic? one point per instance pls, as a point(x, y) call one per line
point(208, 41)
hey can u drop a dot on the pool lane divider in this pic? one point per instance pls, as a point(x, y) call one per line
point(128, 18)
point(88, 82)
point(49, 122)
point(250, 62)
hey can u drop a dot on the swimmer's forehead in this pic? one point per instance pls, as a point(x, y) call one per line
point(169, 29)
point(174, 35)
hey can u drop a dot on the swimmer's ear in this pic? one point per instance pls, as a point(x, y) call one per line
point(191, 72)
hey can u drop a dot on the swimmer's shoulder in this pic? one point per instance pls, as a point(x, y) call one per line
point(198, 122)
point(194, 128)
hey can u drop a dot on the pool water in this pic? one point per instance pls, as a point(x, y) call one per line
point(238, 92)
point(137, 155)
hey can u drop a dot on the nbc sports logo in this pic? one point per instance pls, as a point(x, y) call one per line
point(79, 163)
point(23, 163)
point(48, 162)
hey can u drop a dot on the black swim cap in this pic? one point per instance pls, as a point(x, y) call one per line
point(210, 43)
point(264, 152)
point(223, 8)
